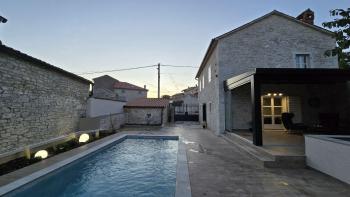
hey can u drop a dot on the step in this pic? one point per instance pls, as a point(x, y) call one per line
point(265, 158)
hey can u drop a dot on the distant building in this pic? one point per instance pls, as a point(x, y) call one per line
point(186, 104)
point(188, 96)
point(147, 111)
point(106, 87)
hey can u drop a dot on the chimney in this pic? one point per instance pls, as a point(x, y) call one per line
point(307, 16)
point(144, 86)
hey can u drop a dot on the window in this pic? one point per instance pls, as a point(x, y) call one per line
point(123, 91)
point(140, 92)
point(203, 82)
point(302, 60)
point(199, 84)
point(209, 73)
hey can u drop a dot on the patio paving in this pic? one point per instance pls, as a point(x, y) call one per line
point(219, 168)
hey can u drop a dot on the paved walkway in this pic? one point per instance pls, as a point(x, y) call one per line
point(218, 168)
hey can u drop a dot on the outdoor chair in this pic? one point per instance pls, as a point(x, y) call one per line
point(287, 120)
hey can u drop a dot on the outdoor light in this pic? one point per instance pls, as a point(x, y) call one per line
point(275, 94)
point(280, 94)
point(269, 94)
point(84, 138)
point(42, 154)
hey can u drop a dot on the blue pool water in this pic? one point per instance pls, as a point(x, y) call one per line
point(134, 167)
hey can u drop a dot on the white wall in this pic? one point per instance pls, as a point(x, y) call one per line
point(329, 155)
point(100, 107)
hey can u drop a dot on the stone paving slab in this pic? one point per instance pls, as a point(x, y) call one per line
point(218, 168)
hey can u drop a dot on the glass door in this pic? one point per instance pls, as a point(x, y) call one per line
point(272, 109)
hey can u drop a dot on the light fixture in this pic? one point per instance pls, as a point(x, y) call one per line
point(84, 138)
point(269, 94)
point(41, 154)
point(280, 94)
point(274, 94)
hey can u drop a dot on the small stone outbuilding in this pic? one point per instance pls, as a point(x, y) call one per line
point(147, 111)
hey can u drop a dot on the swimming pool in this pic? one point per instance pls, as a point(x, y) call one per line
point(133, 167)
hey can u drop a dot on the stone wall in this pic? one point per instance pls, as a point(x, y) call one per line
point(138, 116)
point(105, 122)
point(209, 95)
point(37, 103)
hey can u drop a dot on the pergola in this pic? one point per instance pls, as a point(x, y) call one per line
point(280, 76)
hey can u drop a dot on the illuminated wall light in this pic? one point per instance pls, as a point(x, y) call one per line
point(41, 154)
point(280, 94)
point(275, 94)
point(269, 94)
point(84, 138)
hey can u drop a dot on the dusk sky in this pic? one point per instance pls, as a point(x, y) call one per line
point(85, 36)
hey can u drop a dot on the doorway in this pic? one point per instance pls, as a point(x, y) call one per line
point(273, 105)
point(204, 112)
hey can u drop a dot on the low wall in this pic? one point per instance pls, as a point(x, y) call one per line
point(99, 107)
point(329, 155)
point(145, 116)
point(106, 122)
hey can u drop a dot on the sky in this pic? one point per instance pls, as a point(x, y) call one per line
point(97, 35)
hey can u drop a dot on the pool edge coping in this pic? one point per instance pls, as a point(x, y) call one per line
point(183, 187)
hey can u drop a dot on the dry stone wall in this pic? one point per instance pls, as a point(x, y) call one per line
point(37, 103)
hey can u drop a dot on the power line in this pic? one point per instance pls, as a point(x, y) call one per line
point(116, 70)
point(180, 66)
point(133, 68)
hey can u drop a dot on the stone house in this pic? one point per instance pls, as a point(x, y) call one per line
point(147, 111)
point(271, 65)
point(110, 88)
point(38, 101)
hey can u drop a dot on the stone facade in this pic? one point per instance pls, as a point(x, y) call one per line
point(36, 102)
point(271, 42)
point(129, 95)
point(209, 94)
point(138, 116)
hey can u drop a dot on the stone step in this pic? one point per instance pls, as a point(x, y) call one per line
point(263, 157)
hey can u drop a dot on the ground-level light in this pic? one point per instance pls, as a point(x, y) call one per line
point(84, 138)
point(41, 154)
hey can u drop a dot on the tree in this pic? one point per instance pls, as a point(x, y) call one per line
point(341, 27)
point(166, 96)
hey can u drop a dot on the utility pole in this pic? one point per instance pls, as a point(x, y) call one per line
point(158, 80)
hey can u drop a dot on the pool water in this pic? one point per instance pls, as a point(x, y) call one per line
point(134, 167)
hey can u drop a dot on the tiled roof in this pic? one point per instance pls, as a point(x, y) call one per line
point(148, 102)
point(37, 62)
point(128, 86)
